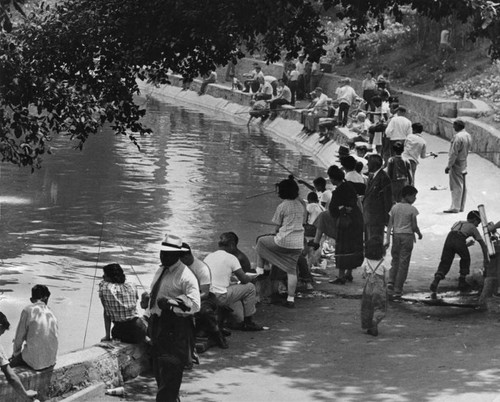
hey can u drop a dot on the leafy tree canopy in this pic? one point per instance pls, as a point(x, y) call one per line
point(71, 68)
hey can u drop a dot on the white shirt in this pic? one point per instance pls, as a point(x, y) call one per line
point(267, 88)
point(313, 210)
point(399, 128)
point(177, 282)
point(415, 147)
point(38, 331)
point(294, 75)
point(321, 102)
point(221, 265)
point(300, 67)
point(346, 94)
point(201, 271)
point(325, 197)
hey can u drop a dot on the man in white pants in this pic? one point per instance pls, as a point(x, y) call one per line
point(457, 166)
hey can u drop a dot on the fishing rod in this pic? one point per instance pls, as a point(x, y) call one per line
point(272, 110)
point(260, 194)
point(133, 270)
point(93, 283)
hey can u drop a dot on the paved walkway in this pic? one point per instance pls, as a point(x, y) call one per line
point(318, 353)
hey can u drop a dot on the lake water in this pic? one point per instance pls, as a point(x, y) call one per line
point(195, 176)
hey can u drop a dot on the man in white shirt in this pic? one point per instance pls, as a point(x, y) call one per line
point(256, 79)
point(222, 266)
point(11, 377)
point(36, 341)
point(398, 129)
point(206, 319)
point(173, 300)
point(415, 147)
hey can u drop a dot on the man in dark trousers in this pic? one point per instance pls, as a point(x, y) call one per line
point(378, 198)
point(173, 300)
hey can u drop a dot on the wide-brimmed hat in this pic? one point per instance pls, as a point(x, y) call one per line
point(172, 243)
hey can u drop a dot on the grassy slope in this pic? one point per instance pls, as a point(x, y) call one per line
point(471, 63)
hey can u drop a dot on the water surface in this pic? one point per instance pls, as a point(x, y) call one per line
point(196, 176)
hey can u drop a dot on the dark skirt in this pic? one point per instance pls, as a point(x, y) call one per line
point(284, 258)
point(349, 241)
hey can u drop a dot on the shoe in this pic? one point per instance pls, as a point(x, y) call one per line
point(463, 286)
point(225, 332)
point(288, 304)
point(372, 331)
point(251, 326)
point(349, 278)
point(434, 286)
point(390, 286)
point(221, 341)
point(338, 281)
point(451, 211)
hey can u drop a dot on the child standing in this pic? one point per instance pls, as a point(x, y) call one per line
point(374, 298)
point(399, 171)
point(456, 243)
point(403, 225)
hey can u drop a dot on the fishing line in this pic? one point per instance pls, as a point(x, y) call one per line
point(93, 284)
point(133, 270)
point(270, 157)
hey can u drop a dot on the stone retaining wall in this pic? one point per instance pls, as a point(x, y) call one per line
point(434, 113)
point(112, 365)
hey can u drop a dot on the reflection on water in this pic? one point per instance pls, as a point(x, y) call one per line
point(193, 177)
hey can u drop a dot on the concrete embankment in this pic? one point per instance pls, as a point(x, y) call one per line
point(222, 99)
point(436, 114)
point(111, 363)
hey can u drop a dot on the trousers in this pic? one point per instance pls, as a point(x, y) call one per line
point(454, 244)
point(458, 189)
point(402, 246)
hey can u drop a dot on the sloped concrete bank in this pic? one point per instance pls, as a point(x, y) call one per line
point(436, 114)
point(221, 99)
point(113, 365)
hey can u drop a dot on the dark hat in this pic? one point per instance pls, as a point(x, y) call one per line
point(343, 151)
point(318, 89)
point(459, 123)
point(172, 243)
point(398, 146)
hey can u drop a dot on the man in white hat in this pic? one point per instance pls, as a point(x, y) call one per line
point(173, 300)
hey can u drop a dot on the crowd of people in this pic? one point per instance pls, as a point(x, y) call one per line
point(368, 211)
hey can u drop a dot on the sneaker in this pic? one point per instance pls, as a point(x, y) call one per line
point(251, 326)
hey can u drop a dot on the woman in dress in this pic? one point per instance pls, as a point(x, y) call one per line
point(119, 300)
point(345, 211)
point(284, 248)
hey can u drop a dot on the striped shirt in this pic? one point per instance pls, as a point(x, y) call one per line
point(290, 216)
point(119, 300)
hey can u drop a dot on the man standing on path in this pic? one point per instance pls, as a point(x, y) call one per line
point(173, 300)
point(378, 199)
point(457, 166)
point(398, 129)
point(415, 147)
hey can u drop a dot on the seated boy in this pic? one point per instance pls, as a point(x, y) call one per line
point(456, 243)
point(10, 375)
